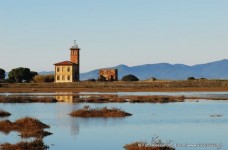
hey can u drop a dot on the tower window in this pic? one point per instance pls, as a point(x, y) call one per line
point(58, 78)
point(68, 69)
point(68, 77)
point(58, 69)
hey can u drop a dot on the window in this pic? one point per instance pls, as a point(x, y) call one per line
point(58, 78)
point(58, 69)
point(63, 68)
point(68, 69)
point(63, 77)
point(68, 77)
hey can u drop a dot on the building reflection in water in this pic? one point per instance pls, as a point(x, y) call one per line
point(67, 98)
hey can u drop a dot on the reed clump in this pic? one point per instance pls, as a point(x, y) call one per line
point(27, 127)
point(44, 78)
point(132, 99)
point(99, 112)
point(33, 145)
point(4, 113)
point(156, 144)
point(145, 146)
point(26, 99)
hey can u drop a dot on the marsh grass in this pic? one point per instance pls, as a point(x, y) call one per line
point(131, 99)
point(99, 112)
point(34, 145)
point(27, 127)
point(4, 113)
point(156, 144)
point(26, 99)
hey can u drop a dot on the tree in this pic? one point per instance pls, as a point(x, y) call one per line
point(21, 74)
point(2, 74)
point(32, 74)
point(130, 77)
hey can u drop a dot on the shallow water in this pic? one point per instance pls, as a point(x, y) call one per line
point(184, 123)
point(200, 94)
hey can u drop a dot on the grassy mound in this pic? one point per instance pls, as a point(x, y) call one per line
point(156, 144)
point(102, 112)
point(34, 145)
point(4, 113)
point(26, 99)
point(144, 146)
point(27, 127)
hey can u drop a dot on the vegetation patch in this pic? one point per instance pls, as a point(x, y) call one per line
point(27, 127)
point(26, 99)
point(145, 146)
point(4, 113)
point(156, 144)
point(101, 112)
point(131, 99)
point(34, 145)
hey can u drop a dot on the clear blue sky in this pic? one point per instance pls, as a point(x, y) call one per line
point(37, 34)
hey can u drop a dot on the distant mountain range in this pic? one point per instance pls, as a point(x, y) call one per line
point(212, 70)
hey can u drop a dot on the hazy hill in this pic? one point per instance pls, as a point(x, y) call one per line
point(213, 70)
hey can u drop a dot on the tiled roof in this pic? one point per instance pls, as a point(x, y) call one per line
point(65, 63)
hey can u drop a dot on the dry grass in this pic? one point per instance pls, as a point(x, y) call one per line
point(131, 99)
point(4, 113)
point(144, 146)
point(27, 127)
point(156, 144)
point(26, 99)
point(34, 145)
point(182, 85)
point(102, 112)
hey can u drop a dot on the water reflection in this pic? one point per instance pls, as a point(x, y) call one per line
point(176, 121)
point(67, 98)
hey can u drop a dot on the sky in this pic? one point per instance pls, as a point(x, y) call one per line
point(37, 34)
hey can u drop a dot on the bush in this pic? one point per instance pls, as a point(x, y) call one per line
point(92, 80)
point(2, 74)
point(130, 77)
point(191, 78)
point(101, 78)
point(44, 78)
point(153, 79)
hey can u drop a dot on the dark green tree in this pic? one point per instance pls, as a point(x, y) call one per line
point(130, 77)
point(32, 74)
point(2, 74)
point(21, 74)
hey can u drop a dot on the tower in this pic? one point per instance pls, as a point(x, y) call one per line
point(74, 53)
point(75, 58)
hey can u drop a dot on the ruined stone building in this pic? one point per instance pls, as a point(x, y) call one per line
point(108, 74)
point(68, 71)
